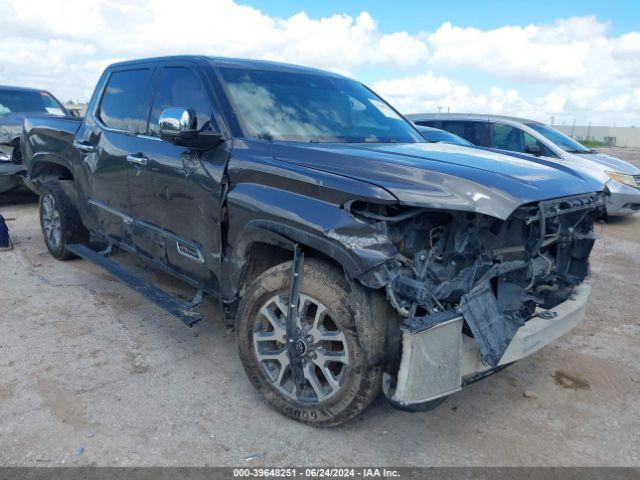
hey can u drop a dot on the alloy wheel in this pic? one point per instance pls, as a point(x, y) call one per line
point(320, 341)
point(51, 221)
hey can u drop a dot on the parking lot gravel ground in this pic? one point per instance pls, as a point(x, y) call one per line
point(91, 373)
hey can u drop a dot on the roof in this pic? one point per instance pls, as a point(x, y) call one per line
point(230, 62)
point(466, 116)
point(21, 89)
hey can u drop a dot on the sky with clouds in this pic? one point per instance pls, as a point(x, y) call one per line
point(566, 60)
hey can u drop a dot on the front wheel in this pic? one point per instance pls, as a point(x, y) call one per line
point(60, 221)
point(338, 383)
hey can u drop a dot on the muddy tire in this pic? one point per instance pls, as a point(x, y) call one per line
point(339, 384)
point(60, 222)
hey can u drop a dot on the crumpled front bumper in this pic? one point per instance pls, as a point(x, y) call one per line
point(439, 361)
point(10, 175)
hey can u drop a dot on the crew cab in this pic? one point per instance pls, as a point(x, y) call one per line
point(351, 255)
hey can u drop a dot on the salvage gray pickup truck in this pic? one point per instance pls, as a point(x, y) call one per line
point(350, 255)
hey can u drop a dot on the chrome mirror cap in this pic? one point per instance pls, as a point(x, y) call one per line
point(177, 123)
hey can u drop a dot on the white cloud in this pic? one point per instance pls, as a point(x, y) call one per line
point(47, 36)
point(587, 73)
point(542, 53)
point(430, 93)
point(575, 66)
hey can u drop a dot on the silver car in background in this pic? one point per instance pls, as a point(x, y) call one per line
point(621, 179)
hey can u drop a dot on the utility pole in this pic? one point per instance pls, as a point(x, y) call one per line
point(573, 129)
point(589, 131)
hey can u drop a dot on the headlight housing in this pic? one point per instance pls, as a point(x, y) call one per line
point(624, 178)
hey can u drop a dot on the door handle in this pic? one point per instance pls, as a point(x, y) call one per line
point(137, 159)
point(83, 147)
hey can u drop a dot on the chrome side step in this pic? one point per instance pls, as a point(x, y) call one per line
point(177, 308)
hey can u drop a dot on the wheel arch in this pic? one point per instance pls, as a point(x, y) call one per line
point(47, 166)
point(260, 238)
point(264, 245)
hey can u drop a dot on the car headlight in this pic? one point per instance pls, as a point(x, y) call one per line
point(624, 179)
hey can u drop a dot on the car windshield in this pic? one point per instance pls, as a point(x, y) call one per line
point(29, 101)
point(435, 136)
point(301, 107)
point(568, 144)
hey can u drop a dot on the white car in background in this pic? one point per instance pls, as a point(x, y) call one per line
point(621, 179)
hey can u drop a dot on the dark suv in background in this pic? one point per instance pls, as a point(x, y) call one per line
point(15, 104)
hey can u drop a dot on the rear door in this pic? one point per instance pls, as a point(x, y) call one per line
point(176, 192)
point(120, 116)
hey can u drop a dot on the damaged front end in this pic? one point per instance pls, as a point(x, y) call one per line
point(477, 293)
point(11, 165)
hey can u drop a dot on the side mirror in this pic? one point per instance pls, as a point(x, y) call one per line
point(180, 126)
point(533, 149)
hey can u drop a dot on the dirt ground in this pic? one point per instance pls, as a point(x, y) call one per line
point(93, 374)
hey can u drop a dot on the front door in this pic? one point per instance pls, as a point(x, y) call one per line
point(175, 191)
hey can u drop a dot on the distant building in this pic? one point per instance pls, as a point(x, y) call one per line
point(610, 136)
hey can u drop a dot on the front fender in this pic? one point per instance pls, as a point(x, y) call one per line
point(266, 214)
point(41, 163)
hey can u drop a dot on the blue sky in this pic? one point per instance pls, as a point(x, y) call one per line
point(426, 15)
point(567, 59)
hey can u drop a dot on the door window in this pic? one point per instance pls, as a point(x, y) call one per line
point(513, 139)
point(180, 87)
point(506, 137)
point(471, 131)
point(124, 102)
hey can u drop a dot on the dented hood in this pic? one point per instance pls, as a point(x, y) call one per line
point(443, 176)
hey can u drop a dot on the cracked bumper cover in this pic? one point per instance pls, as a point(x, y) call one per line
point(439, 361)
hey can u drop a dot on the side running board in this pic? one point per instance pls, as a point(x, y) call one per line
point(177, 308)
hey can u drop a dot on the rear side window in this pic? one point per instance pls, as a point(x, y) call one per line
point(180, 87)
point(471, 131)
point(124, 102)
point(426, 123)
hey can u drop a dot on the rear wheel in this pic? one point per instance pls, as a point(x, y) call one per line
point(60, 221)
point(338, 383)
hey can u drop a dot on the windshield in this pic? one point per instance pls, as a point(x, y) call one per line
point(293, 106)
point(435, 136)
point(28, 101)
point(560, 139)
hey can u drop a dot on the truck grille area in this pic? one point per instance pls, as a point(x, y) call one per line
point(495, 273)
